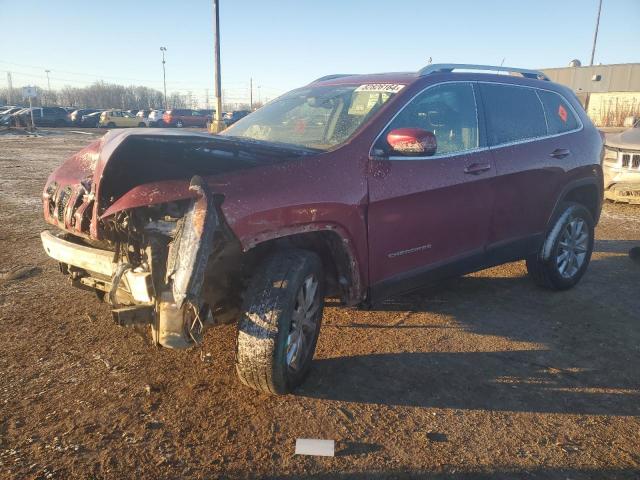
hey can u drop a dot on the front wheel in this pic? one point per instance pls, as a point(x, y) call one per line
point(280, 322)
point(179, 124)
point(566, 252)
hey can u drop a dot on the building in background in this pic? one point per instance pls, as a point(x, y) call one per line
point(610, 93)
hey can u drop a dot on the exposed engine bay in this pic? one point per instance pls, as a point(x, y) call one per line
point(166, 258)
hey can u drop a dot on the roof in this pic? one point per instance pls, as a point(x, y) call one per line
point(409, 77)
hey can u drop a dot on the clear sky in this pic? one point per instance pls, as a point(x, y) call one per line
point(283, 44)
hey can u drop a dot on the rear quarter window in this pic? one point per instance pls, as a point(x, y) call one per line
point(513, 113)
point(560, 116)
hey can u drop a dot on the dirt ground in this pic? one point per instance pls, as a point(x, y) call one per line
point(485, 376)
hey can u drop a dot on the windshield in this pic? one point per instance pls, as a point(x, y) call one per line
point(315, 117)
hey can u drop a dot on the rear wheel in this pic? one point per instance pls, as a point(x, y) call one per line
point(280, 322)
point(564, 257)
point(179, 124)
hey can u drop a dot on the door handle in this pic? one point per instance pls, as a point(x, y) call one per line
point(476, 168)
point(560, 153)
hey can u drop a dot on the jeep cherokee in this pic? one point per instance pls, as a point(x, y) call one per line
point(354, 186)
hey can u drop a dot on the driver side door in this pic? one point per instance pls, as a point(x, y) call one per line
point(430, 215)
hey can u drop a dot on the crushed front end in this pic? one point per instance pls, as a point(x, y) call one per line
point(149, 256)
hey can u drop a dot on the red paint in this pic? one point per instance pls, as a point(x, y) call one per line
point(412, 141)
point(432, 208)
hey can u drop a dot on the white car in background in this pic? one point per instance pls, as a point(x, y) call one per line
point(621, 166)
point(155, 119)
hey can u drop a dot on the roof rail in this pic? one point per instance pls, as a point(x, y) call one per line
point(331, 77)
point(449, 67)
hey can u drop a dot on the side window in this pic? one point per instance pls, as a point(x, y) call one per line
point(513, 113)
point(560, 116)
point(448, 111)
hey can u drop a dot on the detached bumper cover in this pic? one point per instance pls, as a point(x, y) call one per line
point(98, 262)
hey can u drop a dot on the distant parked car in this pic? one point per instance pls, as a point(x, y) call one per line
point(155, 119)
point(75, 117)
point(232, 117)
point(7, 115)
point(142, 117)
point(621, 166)
point(42, 117)
point(120, 119)
point(91, 120)
point(186, 118)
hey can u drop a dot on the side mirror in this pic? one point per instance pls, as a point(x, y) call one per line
point(412, 142)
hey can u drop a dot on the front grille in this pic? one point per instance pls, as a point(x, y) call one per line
point(63, 200)
point(630, 161)
point(625, 160)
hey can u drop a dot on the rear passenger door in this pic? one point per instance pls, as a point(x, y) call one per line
point(529, 165)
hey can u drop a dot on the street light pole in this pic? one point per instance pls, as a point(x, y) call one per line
point(217, 125)
point(48, 85)
point(164, 76)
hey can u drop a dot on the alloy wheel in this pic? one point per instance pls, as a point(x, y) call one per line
point(573, 247)
point(303, 324)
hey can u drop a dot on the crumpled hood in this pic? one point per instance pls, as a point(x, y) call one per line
point(138, 167)
point(629, 139)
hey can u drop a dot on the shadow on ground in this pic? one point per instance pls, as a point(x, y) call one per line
point(534, 473)
point(560, 372)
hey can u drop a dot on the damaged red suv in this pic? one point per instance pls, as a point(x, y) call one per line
point(354, 186)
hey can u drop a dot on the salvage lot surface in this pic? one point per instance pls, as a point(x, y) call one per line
point(484, 376)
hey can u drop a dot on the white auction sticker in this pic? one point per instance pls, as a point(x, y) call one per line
point(380, 87)
point(316, 447)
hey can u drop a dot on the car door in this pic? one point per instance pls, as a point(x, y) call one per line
point(197, 119)
point(430, 212)
point(528, 172)
point(128, 120)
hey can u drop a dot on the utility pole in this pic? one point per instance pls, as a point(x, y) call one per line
point(593, 53)
point(10, 88)
point(251, 94)
point(217, 125)
point(206, 99)
point(48, 85)
point(164, 76)
point(595, 34)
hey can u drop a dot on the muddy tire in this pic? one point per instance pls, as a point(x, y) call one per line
point(565, 254)
point(280, 321)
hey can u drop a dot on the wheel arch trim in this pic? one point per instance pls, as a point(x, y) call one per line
point(356, 291)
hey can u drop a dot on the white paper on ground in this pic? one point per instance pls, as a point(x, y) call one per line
point(312, 446)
